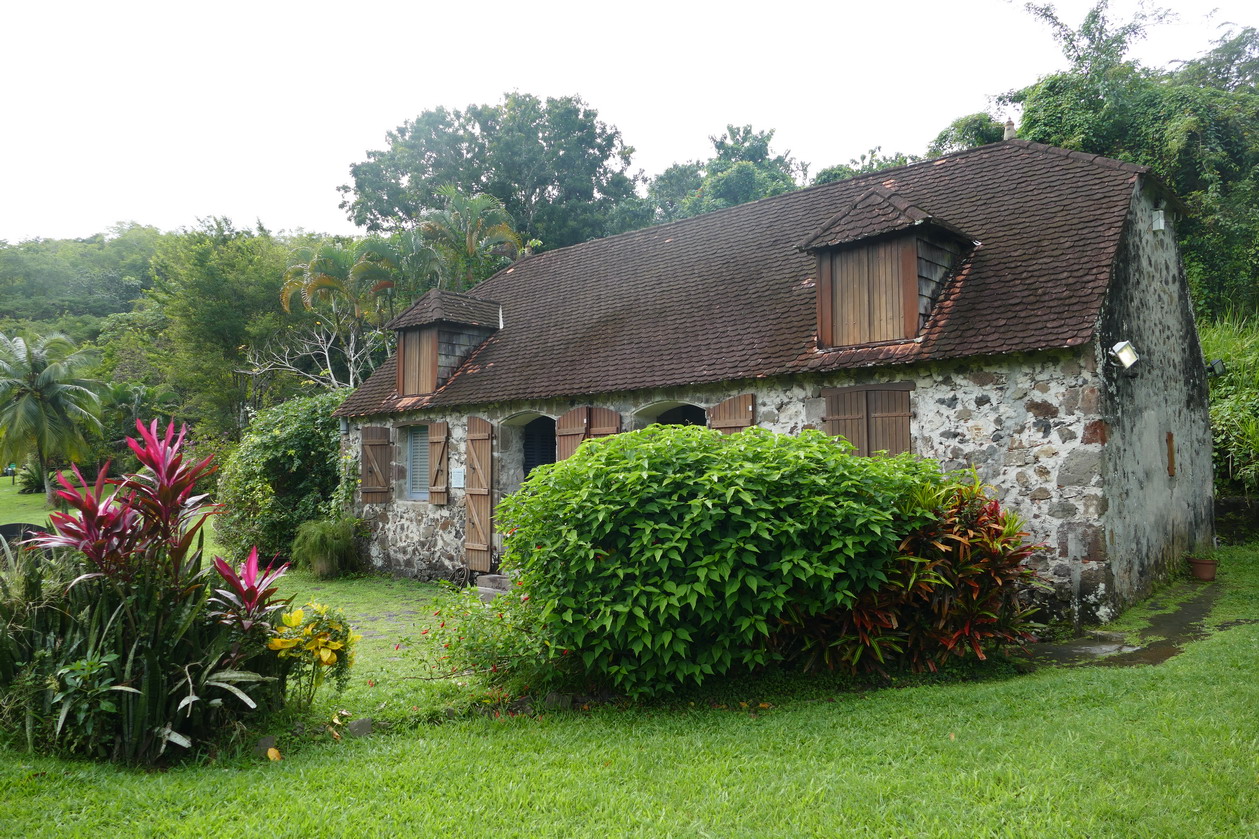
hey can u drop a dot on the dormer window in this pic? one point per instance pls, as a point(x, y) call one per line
point(880, 266)
point(435, 336)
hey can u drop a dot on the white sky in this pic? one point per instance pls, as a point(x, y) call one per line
point(163, 112)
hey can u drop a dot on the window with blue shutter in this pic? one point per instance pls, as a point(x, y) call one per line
point(417, 463)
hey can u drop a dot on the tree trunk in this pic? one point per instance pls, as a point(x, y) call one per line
point(50, 500)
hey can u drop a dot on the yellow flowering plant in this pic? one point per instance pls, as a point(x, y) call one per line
point(318, 642)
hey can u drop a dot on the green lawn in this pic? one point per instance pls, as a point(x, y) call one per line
point(1154, 751)
point(16, 508)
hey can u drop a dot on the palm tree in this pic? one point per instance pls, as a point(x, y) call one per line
point(400, 268)
point(45, 406)
point(471, 232)
point(322, 273)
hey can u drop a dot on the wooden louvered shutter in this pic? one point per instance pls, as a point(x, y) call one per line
point(570, 430)
point(376, 465)
point(735, 414)
point(888, 412)
point(437, 472)
point(479, 486)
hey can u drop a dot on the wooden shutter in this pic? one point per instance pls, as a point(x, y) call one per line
point(889, 420)
point(846, 417)
point(417, 361)
point(570, 430)
point(438, 432)
point(735, 414)
point(604, 422)
point(376, 465)
point(582, 423)
point(479, 486)
point(869, 293)
point(875, 418)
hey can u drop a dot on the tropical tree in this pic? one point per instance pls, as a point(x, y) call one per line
point(46, 407)
point(403, 266)
point(344, 295)
point(473, 233)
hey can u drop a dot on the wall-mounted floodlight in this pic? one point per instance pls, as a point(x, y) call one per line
point(1125, 354)
point(1216, 368)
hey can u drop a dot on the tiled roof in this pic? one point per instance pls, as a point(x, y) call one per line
point(729, 295)
point(876, 212)
point(450, 306)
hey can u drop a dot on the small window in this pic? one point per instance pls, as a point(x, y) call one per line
point(417, 463)
point(873, 418)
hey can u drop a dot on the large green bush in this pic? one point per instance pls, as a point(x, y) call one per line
point(283, 473)
point(667, 555)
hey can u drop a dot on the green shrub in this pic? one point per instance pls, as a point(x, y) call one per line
point(1234, 402)
point(282, 473)
point(505, 641)
point(29, 479)
point(956, 589)
point(328, 547)
point(667, 555)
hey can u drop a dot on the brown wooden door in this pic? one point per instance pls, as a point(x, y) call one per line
point(735, 414)
point(479, 484)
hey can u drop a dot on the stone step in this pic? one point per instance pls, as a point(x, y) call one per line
point(501, 582)
point(487, 594)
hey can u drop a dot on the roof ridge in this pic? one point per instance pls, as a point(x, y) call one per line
point(1082, 156)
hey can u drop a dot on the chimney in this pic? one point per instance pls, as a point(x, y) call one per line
point(1010, 131)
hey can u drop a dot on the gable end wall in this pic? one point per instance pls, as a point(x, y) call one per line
point(1155, 519)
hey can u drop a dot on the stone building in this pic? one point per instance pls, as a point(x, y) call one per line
point(965, 309)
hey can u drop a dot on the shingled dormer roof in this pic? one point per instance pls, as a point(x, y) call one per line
point(729, 295)
point(439, 305)
point(877, 212)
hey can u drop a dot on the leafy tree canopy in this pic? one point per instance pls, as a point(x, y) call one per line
point(872, 161)
point(556, 168)
point(743, 168)
point(1197, 127)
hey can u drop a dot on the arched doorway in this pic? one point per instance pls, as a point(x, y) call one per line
point(538, 443)
point(683, 415)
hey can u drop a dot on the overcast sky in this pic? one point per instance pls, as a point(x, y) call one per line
point(165, 112)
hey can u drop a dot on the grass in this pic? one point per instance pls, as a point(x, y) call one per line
point(1170, 750)
point(20, 508)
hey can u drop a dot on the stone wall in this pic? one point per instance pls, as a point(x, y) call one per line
point(1156, 415)
point(1031, 426)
